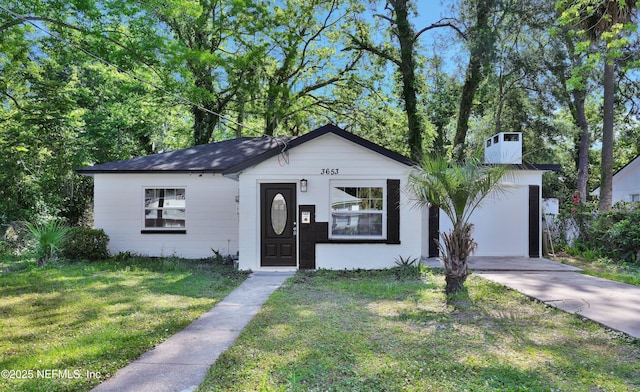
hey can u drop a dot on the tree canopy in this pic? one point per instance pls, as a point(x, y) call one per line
point(86, 82)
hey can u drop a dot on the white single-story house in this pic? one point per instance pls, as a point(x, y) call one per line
point(626, 183)
point(326, 199)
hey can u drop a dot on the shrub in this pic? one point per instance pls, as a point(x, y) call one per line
point(624, 237)
point(409, 268)
point(86, 244)
point(219, 258)
point(48, 239)
point(15, 237)
point(614, 234)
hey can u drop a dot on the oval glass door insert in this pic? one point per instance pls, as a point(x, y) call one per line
point(278, 214)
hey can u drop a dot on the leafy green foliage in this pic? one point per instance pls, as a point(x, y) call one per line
point(603, 267)
point(609, 25)
point(64, 109)
point(457, 189)
point(613, 234)
point(83, 243)
point(625, 236)
point(284, 68)
point(410, 268)
point(49, 237)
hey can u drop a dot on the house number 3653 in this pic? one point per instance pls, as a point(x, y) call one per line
point(329, 172)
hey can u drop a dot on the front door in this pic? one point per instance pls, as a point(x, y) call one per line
point(278, 225)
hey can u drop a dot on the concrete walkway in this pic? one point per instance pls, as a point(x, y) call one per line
point(612, 304)
point(181, 362)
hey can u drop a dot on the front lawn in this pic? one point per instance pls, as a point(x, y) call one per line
point(66, 327)
point(393, 331)
point(605, 268)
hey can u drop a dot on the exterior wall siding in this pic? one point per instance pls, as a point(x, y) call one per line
point(627, 182)
point(308, 161)
point(211, 214)
point(501, 223)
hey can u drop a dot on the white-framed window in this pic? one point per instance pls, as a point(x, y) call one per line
point(165, 208)
point(358, 210)
point(635, 198)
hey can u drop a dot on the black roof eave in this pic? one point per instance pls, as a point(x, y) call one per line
point(530, 166)
point(540, 166)
point(329, 128)
point(618, 171)
point(142, 171)
point(625, 166)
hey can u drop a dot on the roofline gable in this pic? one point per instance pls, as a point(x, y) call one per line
point(627, 167)
point(307, 137)
point(596, 191)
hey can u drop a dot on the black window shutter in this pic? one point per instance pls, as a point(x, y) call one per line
point(434, 231)
point(534, 221)
point(393, 211)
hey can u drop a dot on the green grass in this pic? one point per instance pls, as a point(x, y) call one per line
point(605, 268)
point(66, 327)
point(388, 331)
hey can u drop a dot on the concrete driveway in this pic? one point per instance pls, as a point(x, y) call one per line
point(612, 304)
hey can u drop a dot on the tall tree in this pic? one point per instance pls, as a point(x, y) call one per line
point(604, 21)
point(64, 109)
point(572, 79)
point(304, 60)
point(404, 56)
point(440, 108)
point(481, 38)
point(212, 49)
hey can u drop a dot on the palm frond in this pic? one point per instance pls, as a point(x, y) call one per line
point(457, 189)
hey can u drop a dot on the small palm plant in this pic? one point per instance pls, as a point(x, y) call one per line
point(49, 238)
point(458, 189)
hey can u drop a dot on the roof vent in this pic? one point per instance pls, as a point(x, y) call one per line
point(504, 147)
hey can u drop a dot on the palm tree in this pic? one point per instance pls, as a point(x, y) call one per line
point(458, 189)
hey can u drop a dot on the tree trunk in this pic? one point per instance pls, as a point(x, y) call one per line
point(471, 82)
point(274, 105)
point(585, 143)
point(406, 39)
point(458, 246)
point(203, 125)
point(481, 41)
point(455, 283)
point(606, 168)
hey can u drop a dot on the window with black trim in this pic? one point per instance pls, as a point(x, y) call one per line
point(165, 208)
point(358, 210)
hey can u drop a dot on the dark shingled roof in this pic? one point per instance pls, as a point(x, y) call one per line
point(214, 157)
point(230, 156)
point(233, 156)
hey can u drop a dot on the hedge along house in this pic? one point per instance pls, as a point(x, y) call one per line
point(326, 199)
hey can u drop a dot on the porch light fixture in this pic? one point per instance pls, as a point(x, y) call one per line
point(303, 185)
